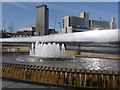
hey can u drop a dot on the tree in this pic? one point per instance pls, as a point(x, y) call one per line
point(11, 27)
point(2, 25)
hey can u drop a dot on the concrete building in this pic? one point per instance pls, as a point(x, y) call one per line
point(4, 34)
point(95, 24)
point(52, 31)
point(42, 20)
point(82, 23)
point(23, 34)
point(27, 29)
point(75, 24)
point(112, 23)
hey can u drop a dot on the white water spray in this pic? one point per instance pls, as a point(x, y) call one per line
point(47, 50)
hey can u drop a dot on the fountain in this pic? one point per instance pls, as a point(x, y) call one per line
point(47, 50)
point(48, 63)
point(52, 54)
point(42, 51)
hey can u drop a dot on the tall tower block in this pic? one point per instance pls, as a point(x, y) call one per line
point(42, 20)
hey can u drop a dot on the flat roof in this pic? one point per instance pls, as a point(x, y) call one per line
point(44, 5)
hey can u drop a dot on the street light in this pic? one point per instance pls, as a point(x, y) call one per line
point(60, 25)
point(55, 23)
point(100, 23)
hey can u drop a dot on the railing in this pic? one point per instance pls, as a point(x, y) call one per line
point(62, 76)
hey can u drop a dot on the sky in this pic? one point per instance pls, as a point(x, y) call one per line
point(23, 14)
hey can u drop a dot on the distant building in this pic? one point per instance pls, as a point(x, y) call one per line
point(5, 34)
point(52, 31)
point(76, 24)
point(31, 29)
point(24, 32)
point(112, 23)
point(95, 24)
point(82, 23)
point(42, 20)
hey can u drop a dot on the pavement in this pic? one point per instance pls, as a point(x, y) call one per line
point(17, 85)
point(7, 84)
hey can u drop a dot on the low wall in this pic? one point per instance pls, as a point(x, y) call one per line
point(17, 50)
point(72, 52)
point(62, 76)
point(13, 49)
point(101, 57)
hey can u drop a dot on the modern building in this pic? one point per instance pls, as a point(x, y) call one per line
point(29, 29)
point(4, 34)
point(112, 23)
point(52, 31)
point(42, 20)
point(95, 24)
point(76, 24)
point(23, 34)
point(82, 23)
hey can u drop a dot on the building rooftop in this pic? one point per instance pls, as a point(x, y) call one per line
point(44, 5)
point(100, 21)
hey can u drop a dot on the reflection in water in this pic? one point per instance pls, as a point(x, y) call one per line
point(81, 63)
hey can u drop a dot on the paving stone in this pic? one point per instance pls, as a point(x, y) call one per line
point(37, 86)
point(7, 83)
point(19, 85)
point(12, 84)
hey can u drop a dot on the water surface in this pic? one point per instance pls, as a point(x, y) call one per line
point(80, 63)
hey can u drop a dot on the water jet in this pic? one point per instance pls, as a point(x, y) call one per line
point(46, 52)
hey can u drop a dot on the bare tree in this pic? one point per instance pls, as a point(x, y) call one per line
point(3, 24)
point(11, 27)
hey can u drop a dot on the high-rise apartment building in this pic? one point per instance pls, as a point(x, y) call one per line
point(42, 20)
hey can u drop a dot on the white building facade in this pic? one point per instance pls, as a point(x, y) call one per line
point(79, 24)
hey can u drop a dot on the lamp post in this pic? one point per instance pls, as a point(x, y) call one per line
point(60, 25)
point(100, 23)
point(55, 23)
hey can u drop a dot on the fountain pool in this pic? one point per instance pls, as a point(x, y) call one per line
point(78, 63)
point(55, 60)
point(46, 52)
